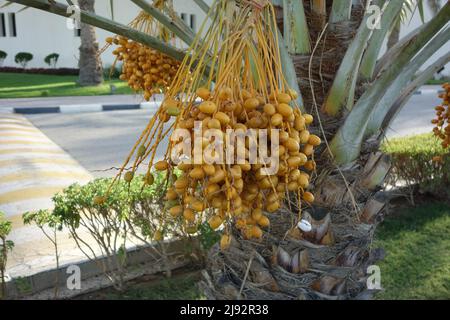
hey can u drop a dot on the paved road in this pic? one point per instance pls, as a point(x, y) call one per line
point(416, 116)
point(99, 141)
point(57, 101)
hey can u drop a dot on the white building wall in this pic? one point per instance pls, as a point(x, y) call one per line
point(42, 33)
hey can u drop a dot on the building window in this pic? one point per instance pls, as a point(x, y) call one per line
point(12, 25)
point(2, 25)
point(184, 17)
point(77, 32)
point(193, 22)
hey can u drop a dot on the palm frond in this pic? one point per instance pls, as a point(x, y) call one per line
point(409, 9)
point(6, 4)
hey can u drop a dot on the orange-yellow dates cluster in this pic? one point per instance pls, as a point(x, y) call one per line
point(146, 70)
point(241, 194)
point(442, 120)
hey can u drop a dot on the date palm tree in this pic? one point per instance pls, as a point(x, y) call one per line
point(90, 63)
point(331, 52)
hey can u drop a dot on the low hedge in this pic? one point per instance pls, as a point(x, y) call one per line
point(123, 201)
point(144, 208)
point(112, 72)
point(129, 214)
point(420, 160)
point(46, 71)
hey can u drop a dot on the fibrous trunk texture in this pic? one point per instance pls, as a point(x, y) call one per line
point(250, 270)
point(90, 64)
point(331, 260)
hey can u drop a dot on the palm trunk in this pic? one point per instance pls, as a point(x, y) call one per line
point(329, 262)
point(330, 52)
point(90, 64)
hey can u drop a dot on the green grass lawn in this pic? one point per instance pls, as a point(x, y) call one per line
point(18, 85)
point(435, 82)
point(417, 243)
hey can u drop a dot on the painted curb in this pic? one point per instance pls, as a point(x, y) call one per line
point(86, 108)
point(39, 110)
point(428, 91)
point(7, 110)
point(80, 108)
point(20, 288)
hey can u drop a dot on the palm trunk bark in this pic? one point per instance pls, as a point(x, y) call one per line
point(90, 64)
point(330, 261)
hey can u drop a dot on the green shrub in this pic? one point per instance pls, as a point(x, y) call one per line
point(129, 211)
point(5, 247)
point(103, 223)
point(23, 58)
point(52, 59)
point(112, 71)
point(49, 225)
point(420, 160)
point(3, 56)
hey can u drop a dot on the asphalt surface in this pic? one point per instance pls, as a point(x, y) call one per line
point(415, 117)
point(76, 100)
point(101, 141)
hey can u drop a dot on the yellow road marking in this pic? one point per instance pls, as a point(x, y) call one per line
point(42, 175)
point(37, 161)
point(16, 123)
point(12, 118)
point(31, 150)
point(31, 129)
point(27, 135)
point(16, 221)
point(11, 115)
point(29, 193)
point(25, 142)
